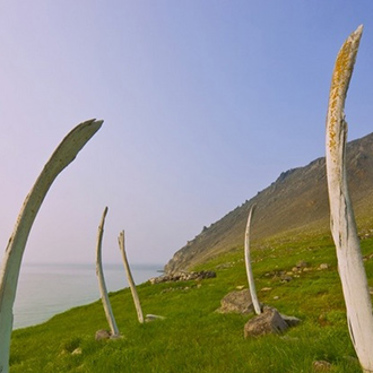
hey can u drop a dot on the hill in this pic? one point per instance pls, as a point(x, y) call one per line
point(296, 203)
point(193, 338)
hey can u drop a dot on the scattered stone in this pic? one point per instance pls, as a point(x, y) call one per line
point(370, 290)
point(238, 301)
point(266, 289)
point(324, 266)
point(183, 276)
point(102, 334)
point(270, 321)
point(240, 287)
point(307, 269)
point(321, 366)
point(276, 297)
point(302, 264)
point(286, 278)
point(77, 351)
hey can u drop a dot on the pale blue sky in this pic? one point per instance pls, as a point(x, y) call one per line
point(205, 103)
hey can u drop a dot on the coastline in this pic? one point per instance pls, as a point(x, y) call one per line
point(47, 289)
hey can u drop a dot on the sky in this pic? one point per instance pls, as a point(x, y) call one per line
point(204, 104)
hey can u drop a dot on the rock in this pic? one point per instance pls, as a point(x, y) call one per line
point(270, 321)
point(286, 278)
point(238, 301)
point(183, 276)
point(240, 287)
point(102, 334)
point(324, 266)
point(302, 264)
point(205, 274)
point(266, 289)
point(77, 351)
point(321, 366)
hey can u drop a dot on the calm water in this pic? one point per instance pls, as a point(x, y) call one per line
point(47, 289)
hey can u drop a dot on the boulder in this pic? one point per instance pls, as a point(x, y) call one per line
point(237, 301)
point(269, 321)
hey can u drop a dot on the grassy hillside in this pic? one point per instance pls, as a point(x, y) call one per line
point(194, 338)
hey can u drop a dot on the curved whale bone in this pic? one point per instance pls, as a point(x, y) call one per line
point(64, 154)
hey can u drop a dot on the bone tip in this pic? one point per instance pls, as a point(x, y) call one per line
point(358, 32)
point(98, 121)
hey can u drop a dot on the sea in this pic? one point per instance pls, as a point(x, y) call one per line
point(45, 290)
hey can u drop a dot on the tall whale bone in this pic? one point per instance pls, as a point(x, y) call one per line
point(342, 220)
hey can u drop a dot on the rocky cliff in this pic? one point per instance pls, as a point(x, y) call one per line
point(296, 202)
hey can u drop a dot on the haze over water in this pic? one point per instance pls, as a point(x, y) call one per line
point(47, 289)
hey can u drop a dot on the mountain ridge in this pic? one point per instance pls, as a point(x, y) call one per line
point(297, 202)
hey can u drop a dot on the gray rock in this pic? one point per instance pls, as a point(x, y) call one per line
point(238, 301)
point(102, 334)
point(270, 321)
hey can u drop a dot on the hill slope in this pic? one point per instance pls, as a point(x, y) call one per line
point(296, 202)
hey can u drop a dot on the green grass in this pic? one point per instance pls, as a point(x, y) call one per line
point(194, 338)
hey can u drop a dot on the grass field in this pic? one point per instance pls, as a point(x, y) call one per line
point(193, 337)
